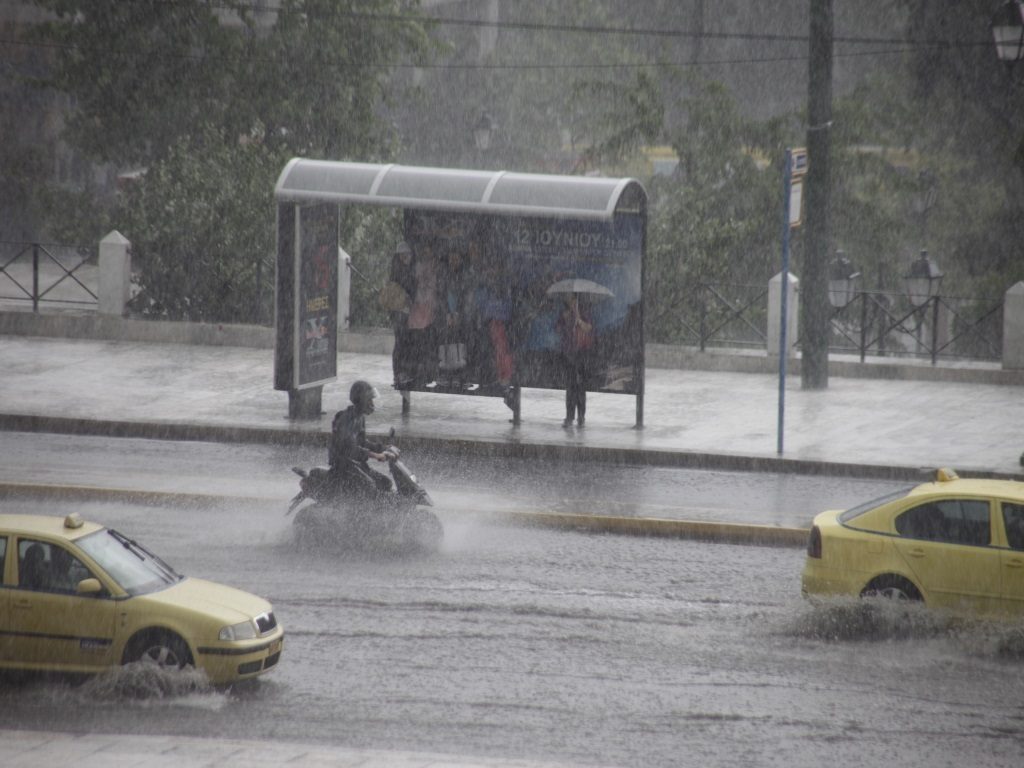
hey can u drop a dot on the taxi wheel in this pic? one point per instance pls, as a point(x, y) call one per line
point(164, 649)
point(892, 588)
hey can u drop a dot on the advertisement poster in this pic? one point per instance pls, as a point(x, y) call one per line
point(317, 310)
point(494, 303)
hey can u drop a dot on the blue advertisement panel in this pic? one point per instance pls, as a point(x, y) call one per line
point(485, 303)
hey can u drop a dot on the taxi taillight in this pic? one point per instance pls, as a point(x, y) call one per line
point(814, 543)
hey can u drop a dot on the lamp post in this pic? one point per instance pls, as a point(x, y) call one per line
point(843, 288)
point(1008, 32)
point(482, 130)
point(922, 280)
point(924, 200)
point(843, 281)
point(922, 283)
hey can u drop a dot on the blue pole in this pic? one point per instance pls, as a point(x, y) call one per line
point(787, 178)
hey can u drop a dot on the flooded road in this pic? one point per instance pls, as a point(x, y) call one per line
point(545, 645)
point(459, 482)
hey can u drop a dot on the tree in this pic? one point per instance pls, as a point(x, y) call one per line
point(204, 248)
point(717, 219)
point(211, 98)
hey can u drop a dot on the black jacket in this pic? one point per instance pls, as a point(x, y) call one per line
point(348, 439)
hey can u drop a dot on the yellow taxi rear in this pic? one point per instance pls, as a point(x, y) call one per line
point(844, 561)
point(956, 544)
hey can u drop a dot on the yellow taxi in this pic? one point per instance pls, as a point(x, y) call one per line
point(955, 544)
point(78, 597)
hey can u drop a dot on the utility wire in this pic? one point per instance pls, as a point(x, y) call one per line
point(704, 35)
point(257, 8)
point(486, 66)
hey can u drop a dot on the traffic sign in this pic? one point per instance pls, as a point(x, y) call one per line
point(798, 163)
point(796, 198)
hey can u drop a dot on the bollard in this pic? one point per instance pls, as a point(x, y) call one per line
point(115, 274)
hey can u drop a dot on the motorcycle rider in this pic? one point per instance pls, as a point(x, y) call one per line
point(349, 451)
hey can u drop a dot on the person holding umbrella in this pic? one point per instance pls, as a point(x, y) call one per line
point(576, 330)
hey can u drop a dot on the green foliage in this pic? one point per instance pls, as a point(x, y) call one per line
point(370, 236)
point(546, 111)
point(140, 72)
point(717, 219)
point(204, 248)
point(889, 148)
point(212, 100)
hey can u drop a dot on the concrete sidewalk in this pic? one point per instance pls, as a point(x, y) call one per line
point(34, 749)
point(858, 426)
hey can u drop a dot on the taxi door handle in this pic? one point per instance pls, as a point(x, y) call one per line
point(916, 552)
point(1015, 563)
point(22, 602)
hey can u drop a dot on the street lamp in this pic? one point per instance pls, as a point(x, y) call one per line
point(482, 131)
point(1008, 32)
point(923, 280)
point(843, 281)
point(924, 200)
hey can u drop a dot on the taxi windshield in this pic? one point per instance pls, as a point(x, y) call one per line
point(136, 569)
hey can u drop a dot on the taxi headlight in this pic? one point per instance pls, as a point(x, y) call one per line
point(243, 631)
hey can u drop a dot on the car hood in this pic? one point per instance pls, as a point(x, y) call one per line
point(226, 604)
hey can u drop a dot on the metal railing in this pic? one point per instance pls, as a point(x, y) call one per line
point(722, 314)
point(888, 324)
point(877, 323)
point(46, 273)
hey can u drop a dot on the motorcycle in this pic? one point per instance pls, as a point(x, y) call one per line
point(351, 514)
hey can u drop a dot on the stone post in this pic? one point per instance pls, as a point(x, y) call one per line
point(1013, 327)
point(115, 274)
point(775, 314)
point(344, 290)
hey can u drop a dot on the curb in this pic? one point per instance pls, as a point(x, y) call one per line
point(654, 527)
point(317, 437)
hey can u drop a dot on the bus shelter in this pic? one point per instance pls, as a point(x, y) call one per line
point(496, 262)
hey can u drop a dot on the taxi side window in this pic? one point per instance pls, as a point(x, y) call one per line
point(1013, 516)
point(954, 521)
point(48, 568)
point(3, 557)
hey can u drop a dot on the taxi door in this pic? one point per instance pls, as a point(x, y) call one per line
point(947, 544)
point(1013, 557)
point(51, 625)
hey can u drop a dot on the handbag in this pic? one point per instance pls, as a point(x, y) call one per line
point(394, 298)
point(451, 356)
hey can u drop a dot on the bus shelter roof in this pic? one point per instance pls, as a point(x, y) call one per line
point(450, 189)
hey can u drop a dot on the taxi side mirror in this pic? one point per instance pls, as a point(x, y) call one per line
point(89, 587)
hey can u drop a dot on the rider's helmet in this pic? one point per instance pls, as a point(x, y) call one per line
point(362, 395)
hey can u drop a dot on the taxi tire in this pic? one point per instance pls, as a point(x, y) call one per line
point(163, 648)
point(891, 587)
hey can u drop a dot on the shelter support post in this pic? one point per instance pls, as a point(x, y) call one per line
point(516, 403)
point(305, 403)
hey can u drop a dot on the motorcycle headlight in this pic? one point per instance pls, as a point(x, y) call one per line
point(243, 631)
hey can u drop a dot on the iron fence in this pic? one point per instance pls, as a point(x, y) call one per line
point(877, 323)
point(948, 327)
point(55, 274)
point(720, 314)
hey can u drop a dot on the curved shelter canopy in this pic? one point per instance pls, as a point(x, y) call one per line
point(467, 191)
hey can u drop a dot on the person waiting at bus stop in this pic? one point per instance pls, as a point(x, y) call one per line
point(576, 330)
point(349, 451)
